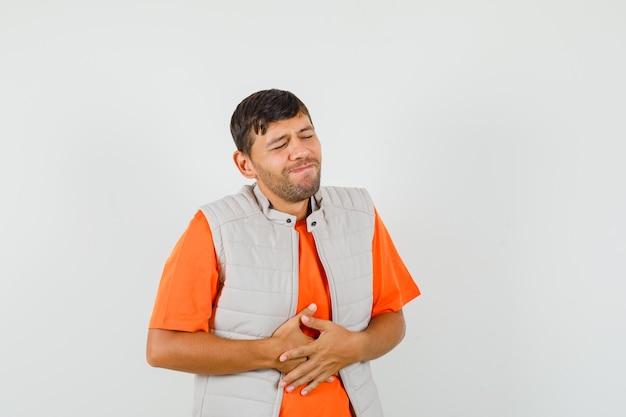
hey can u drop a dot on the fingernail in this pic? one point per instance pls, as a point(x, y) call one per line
point(304, 392)
point(313, 307)
point(283, 358)
point(305, 319)
point(290, 388)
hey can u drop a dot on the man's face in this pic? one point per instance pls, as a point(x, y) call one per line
point(286, 160)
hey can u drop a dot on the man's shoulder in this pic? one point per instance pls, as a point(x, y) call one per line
point(341, 189)
point(353, 198)
point(231, 206)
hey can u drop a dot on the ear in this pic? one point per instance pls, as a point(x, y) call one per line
point(244, 164)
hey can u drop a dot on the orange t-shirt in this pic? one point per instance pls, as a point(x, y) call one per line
point(189, 284)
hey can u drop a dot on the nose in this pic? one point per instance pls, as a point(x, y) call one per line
point(298, 149)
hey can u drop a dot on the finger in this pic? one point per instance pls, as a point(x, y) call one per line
point(289, 366)
point(306, 390)
point(300, 375)
point(301, 352)
point(307, 372)
point(315, 323)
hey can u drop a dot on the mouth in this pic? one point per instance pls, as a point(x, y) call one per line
point(303, 167)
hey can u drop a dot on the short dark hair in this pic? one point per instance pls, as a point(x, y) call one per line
point(260, 109)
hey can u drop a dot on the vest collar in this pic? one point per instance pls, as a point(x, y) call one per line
point(272, 214)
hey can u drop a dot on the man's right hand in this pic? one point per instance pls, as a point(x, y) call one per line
point(290, 334)
point(207, 354)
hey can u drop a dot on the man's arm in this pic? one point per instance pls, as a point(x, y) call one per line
point(337, 347)
point(208, 354)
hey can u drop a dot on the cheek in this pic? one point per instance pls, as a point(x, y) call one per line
point(317, 149)
point(272, 165)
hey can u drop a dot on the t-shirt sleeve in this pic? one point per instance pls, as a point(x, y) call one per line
point(189, 281)
point(393, 284)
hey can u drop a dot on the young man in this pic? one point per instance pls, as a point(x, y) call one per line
point(279, 296)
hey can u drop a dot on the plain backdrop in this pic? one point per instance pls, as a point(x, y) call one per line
point(491, 135)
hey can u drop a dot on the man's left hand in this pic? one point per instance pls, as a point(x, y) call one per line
point(334, 349)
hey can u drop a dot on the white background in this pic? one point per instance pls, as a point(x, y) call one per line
point(491, 135)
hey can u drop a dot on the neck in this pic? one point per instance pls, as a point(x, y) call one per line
point(300, 209)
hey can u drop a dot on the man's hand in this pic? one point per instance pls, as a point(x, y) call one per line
point(290, 335)
point(321, 359)
point(337, 347)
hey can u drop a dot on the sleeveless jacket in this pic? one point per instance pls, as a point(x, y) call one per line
point(257, 252)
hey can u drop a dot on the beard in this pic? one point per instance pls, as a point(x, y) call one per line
point(288, 190)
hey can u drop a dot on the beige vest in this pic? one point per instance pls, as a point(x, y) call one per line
point(257, 250)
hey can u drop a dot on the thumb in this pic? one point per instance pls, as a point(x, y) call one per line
point(308, 311)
